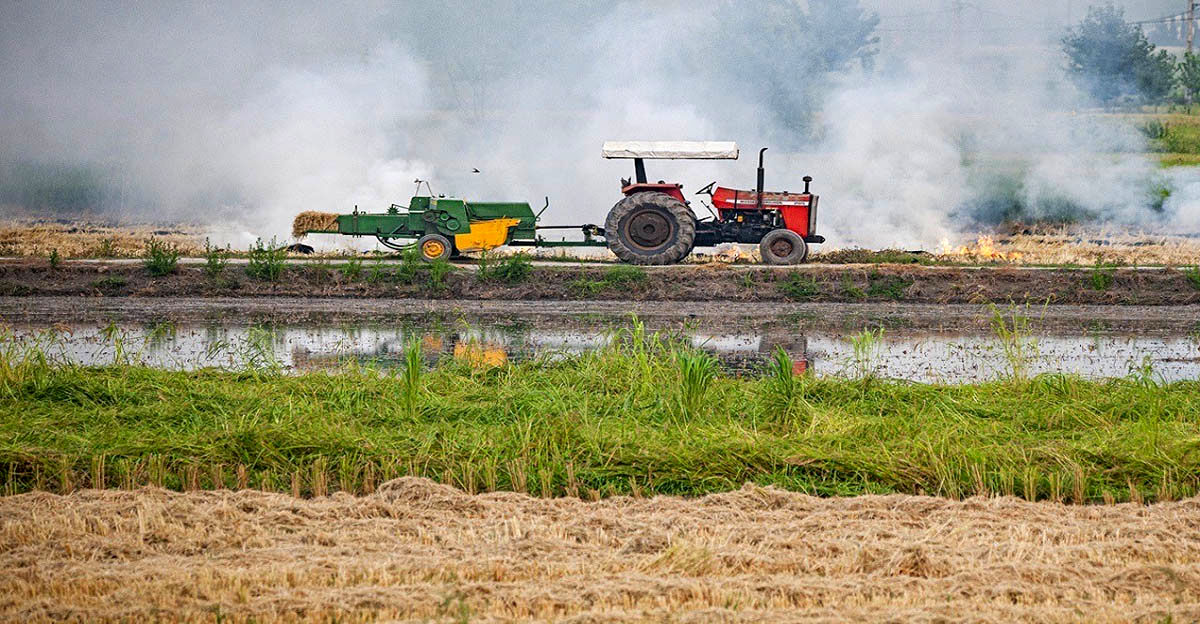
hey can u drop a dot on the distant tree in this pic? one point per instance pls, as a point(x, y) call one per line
point(1111, 58)
point(1189, 76)
point(1155, 76)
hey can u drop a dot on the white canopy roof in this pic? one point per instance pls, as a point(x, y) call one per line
point(689, 150)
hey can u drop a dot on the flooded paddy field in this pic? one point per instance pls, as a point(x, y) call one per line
point(943, 344)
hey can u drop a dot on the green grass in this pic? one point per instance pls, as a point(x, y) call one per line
point(645, 415)
point(161, 258)
point(510, 270)
point(1193, 276)
point(799, 287)
point(1102, 275)
point(620, 276)
point(868, 256)
point(1179, 160)
point(266, 261)
point(1175, 138)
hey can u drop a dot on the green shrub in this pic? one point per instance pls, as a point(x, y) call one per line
point(438, 270)
point(161, 258)
point(378, 272)
point(215, 260)
point(54, 259)
point(1102, 276)
point(352, 269)
point(266, 261)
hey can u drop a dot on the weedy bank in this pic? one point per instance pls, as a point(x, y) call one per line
point(647, 414)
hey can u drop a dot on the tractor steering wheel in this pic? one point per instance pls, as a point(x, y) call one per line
point(707, 189)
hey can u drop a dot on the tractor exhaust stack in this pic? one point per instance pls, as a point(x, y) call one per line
point(758, 190)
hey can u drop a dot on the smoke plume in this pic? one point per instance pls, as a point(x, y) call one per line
point(242, 115)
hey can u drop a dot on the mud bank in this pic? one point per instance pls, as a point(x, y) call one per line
point(45, 311)
point(711, 283)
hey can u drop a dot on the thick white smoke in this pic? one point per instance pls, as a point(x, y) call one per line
point(244, 115)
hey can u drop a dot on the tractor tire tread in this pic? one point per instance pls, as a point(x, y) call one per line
point(799, 248)
point(685, 229)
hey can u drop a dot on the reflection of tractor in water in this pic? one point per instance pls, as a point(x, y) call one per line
point(653, 224)
point(481, 348)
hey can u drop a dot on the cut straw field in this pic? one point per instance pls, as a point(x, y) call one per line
point(415, 551)
point(89, 240)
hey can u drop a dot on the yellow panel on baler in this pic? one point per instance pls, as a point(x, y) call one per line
point(485, 235)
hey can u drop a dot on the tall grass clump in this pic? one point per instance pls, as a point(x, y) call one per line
point(697, 370)
point(1017, 345)
point(782, 396)
point(215, 260)
point(266, 261)
point(160, 257)
point(411, 374)
point(865, 344)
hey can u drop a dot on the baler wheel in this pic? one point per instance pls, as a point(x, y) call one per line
point(783, 247)
point(650, 228)
point(435, 247)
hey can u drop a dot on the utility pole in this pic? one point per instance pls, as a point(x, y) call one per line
point(1191, 25)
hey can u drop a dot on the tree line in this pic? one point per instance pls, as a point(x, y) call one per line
point(1113, 61)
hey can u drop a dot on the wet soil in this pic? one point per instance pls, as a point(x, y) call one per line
point(705, 283)
point(897, 318)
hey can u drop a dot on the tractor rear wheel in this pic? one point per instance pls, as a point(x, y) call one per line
point(435, 247)
point(783, 247)
point(650, 228)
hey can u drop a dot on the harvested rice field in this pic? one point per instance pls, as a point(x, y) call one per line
point(416, 551)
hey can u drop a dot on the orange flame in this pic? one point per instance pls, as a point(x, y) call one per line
point(983, 249)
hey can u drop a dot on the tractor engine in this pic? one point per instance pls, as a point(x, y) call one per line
point(742, 218)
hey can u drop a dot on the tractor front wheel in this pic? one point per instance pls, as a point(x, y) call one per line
point(783, 247)
point(435, 247)
point(650, 228)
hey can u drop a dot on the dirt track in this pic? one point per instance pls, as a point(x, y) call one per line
point(417, 551)
point(849, 283)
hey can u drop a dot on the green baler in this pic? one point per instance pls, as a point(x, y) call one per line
point(443, 226)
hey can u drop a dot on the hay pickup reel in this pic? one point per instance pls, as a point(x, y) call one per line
point(652, 224)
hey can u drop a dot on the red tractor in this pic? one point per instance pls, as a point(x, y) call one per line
point(655, 224)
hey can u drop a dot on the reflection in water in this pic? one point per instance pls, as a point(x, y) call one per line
point(916, 357)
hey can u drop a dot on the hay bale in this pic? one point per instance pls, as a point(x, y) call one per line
point(310, 221)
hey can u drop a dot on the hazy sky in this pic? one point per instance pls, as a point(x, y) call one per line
point(253, 111)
